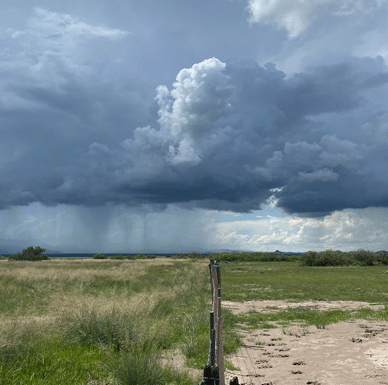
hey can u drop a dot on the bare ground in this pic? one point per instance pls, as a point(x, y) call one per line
point(347, 353)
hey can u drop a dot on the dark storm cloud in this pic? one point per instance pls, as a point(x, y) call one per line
point(257, 146)
point(226, 134)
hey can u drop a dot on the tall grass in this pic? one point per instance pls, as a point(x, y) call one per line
point(112, 320)
point(104, 320)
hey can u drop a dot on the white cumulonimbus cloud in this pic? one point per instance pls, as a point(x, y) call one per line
point(190, 110)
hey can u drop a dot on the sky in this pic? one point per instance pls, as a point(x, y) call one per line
point(196, 125)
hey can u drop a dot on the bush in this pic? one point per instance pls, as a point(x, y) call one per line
point(382, 257)
point(140, 256)
point(99, 256)
point(179, 256)
point(326, 258)
point(334, 258)
point(30, 254)
point(195, 255)
point(309, 259)
point(117, 257)
point(363, 257)
point(2, 258)
point(252, 257)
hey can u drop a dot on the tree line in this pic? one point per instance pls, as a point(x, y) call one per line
point(311, 258)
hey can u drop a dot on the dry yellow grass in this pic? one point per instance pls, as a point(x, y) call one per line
point(79, 273)
point(82, 270)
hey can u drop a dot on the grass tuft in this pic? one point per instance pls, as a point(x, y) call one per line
point(112, 329)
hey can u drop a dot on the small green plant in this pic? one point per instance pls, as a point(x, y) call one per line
point(99, 256)
point(30, 254)
point(320, 325)
point(297, 331)
point(2, 258)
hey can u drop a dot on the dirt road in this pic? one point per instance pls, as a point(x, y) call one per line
point(347, 353)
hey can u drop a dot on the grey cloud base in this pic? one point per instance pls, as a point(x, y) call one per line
point(226, 136)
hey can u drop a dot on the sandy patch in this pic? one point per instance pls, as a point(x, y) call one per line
point(276, 305)
point(176, 360)
point(347, 353)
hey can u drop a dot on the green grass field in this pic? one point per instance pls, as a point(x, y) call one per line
point(109, 321)
point(290, 281)
point(245, 281)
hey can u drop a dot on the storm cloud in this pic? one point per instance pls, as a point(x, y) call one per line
point(155, 116)
point(226, 135)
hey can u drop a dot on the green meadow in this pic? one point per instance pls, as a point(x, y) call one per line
point(99, 322)
point(289, 281)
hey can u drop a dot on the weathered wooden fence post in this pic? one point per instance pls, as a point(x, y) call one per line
point(220, 345)
point(213, 373)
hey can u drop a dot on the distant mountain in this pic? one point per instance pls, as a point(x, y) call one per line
point(277, 252)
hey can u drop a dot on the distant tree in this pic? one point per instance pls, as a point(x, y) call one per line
point(364, 257)
point(195, 255)
point(30, 254)
point(99, 256)
point(382, 257)
point(140, 256)
point(117, 257)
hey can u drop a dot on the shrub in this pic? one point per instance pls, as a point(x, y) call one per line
point(365, 258)
point(334, 258)
point(382, 257)
point(195, 255)
point(309, 259)
point(2, 258)
point(326, 258)
point(30, 254)
point(180, 256)
point(140, 256)
point(117, 257)
point(99, 256)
